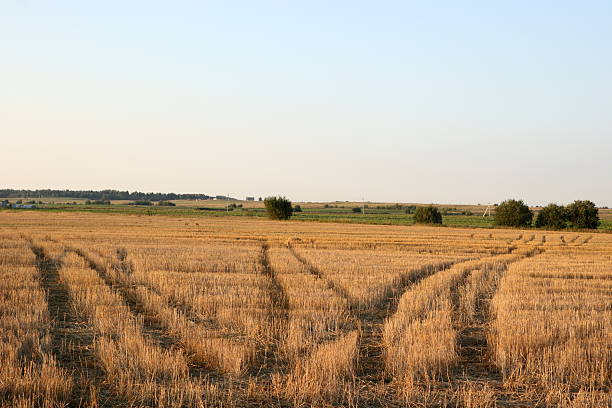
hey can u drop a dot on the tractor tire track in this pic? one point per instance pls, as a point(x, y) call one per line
point(268, 357)
point(370, 320)
point(339, 290)
point(371, 363)
point(125, 267)
point(475, 365)
point(152, 329)
point(71, 337)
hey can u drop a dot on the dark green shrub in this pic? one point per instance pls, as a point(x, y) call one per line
point(410, 209)
point(297, 208)
point(552, 216)
point(164, 203)
point(278, 208)
point(140, 202)
point(97, 202)
point(427, 215)
point(583, 214)
point(513, 213)
point(357, 210)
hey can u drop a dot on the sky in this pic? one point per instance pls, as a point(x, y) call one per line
point(397, 101)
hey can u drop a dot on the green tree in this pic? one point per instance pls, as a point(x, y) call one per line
point(552, 216)
point(427, 215)
point(583, 214)
point(513, 213)
point(278, 208)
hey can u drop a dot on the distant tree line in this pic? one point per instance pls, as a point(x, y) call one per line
point(581, 214)
point(101, 195)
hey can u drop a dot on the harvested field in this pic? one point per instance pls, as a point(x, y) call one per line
point(138, 311)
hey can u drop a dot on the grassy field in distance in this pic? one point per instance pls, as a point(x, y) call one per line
point(375, 213)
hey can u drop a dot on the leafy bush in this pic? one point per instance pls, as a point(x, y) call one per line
point(552, 216)
point(164, 203)
point(97, 202)
point(583, 214)
point(513, 213)
point(410, 209)
point(278, 208)
point(427, 215)
point(297, 208)
point(357, 210)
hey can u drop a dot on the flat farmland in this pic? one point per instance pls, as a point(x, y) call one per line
point(113, 310)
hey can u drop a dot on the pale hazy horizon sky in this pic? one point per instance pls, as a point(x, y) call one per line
point(398, 101)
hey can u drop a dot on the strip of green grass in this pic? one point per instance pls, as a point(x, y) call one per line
point(386, 217)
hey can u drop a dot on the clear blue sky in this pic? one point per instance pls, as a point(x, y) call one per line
point(447, 102)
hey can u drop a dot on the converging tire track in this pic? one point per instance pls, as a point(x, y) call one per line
point(472, 346)
point(340, 291)
point(370, 320)
point(151, 330)
point(71, 337)
point(371, 363)
point(125, 267)
point(155, 323)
